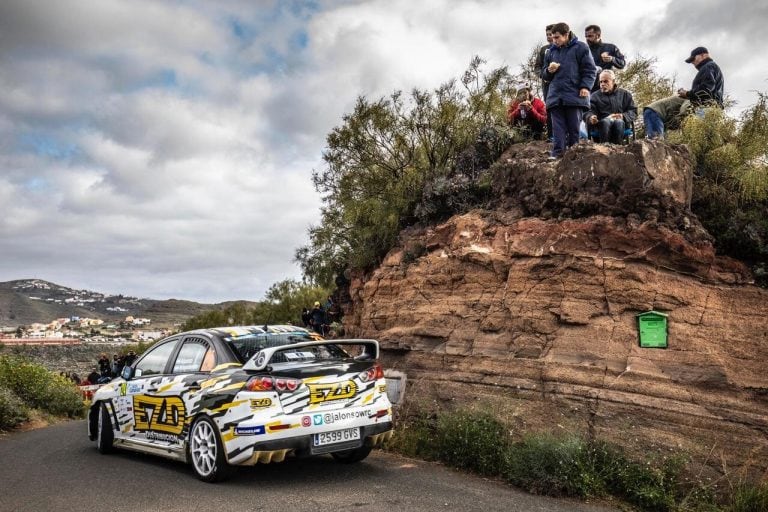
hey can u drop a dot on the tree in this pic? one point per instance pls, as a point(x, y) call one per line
point(378, 161)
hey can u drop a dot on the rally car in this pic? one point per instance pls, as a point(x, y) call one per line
point(239, 396)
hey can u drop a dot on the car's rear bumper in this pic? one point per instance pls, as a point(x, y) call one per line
point(302, 446)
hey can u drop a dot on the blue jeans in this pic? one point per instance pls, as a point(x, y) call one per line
point(654, 124)
point(565, 128)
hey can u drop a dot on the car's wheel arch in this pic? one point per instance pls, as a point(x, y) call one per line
point(93, 419)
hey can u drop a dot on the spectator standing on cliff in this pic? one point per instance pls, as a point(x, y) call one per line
point(570, 69)
point(528, 113)
point(707, 90)
point(611, 110)
point(539, 65)
point(606, 55)
point(318, 318)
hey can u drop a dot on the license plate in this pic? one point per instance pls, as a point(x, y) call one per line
point(337, 436)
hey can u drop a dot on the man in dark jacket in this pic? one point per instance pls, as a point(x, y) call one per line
point(570, 70)
point(611, 110)
point(706, 90)
point(605, 55)
point(539, 64)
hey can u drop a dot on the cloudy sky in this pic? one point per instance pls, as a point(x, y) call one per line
point(164, 149)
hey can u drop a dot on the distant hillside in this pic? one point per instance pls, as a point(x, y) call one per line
point(28, 301)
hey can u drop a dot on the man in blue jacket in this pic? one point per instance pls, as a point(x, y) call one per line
point(570, 71)
point(706, 90)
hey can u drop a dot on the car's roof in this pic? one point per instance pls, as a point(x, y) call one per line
point(244, 331)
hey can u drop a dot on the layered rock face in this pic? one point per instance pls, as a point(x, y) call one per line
point(536, 317)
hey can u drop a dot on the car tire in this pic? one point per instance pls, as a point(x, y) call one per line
point(352, 456)
point(105, 436)
point(206, 451)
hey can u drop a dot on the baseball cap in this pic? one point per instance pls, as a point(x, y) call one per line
point(696, 51)
point(317, 303)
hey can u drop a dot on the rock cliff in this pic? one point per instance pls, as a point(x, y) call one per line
point(530, 307)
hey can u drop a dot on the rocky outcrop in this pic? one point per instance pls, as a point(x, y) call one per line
point(536, 316)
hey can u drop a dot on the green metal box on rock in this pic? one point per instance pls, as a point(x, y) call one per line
point(652, 329)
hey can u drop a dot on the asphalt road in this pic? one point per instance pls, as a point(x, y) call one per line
point(58, 468)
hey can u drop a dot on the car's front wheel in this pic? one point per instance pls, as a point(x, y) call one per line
point(207, 451)
point(351, 456)
point(105, 436)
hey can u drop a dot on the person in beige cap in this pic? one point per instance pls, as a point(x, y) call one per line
point(706, 90)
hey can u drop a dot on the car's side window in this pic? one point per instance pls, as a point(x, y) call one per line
point(195, 355)
point(154, 361)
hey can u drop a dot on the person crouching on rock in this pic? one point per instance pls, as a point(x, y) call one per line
point(528, 113)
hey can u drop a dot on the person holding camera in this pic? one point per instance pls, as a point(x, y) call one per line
point(528, 113)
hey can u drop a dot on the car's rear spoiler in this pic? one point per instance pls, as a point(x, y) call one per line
point(262, 358)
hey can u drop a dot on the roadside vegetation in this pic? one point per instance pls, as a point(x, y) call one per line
point(28, 389)
point(282, 304)
point(418, 158)
point(567, 465)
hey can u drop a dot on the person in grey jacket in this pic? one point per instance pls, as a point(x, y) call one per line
point(612, 109)
point(707, 89)
point(570, 70)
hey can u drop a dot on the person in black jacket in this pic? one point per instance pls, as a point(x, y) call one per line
point(707, 90)
point(539, 64)
point(570, 70)
point(605, 55)
point(611, 110)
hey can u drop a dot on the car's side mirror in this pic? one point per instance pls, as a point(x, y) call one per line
point(127, 373)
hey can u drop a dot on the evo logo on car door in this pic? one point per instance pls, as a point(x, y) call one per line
point(159, 414)
point(319, 393)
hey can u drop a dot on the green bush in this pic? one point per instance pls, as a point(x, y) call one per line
point(12, 409)
point(474, 441)
point(543, 464)
point(749, 498)
point(560, 466)
point(39, 388)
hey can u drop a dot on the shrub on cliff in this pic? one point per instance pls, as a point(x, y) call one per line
point(379, 160)
point(730, 196)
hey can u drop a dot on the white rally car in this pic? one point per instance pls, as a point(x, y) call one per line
point(243, 395)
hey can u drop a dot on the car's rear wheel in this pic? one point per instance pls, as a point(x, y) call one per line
point(352, 456)
point(105, 436)
point(207, 451)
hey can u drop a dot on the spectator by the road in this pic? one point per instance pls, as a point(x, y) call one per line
point(105, 367)
point(317, 318)
point(305, 317)
point(606, 55)
point(707, 90)
point(611, 110)
point(570, 69)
